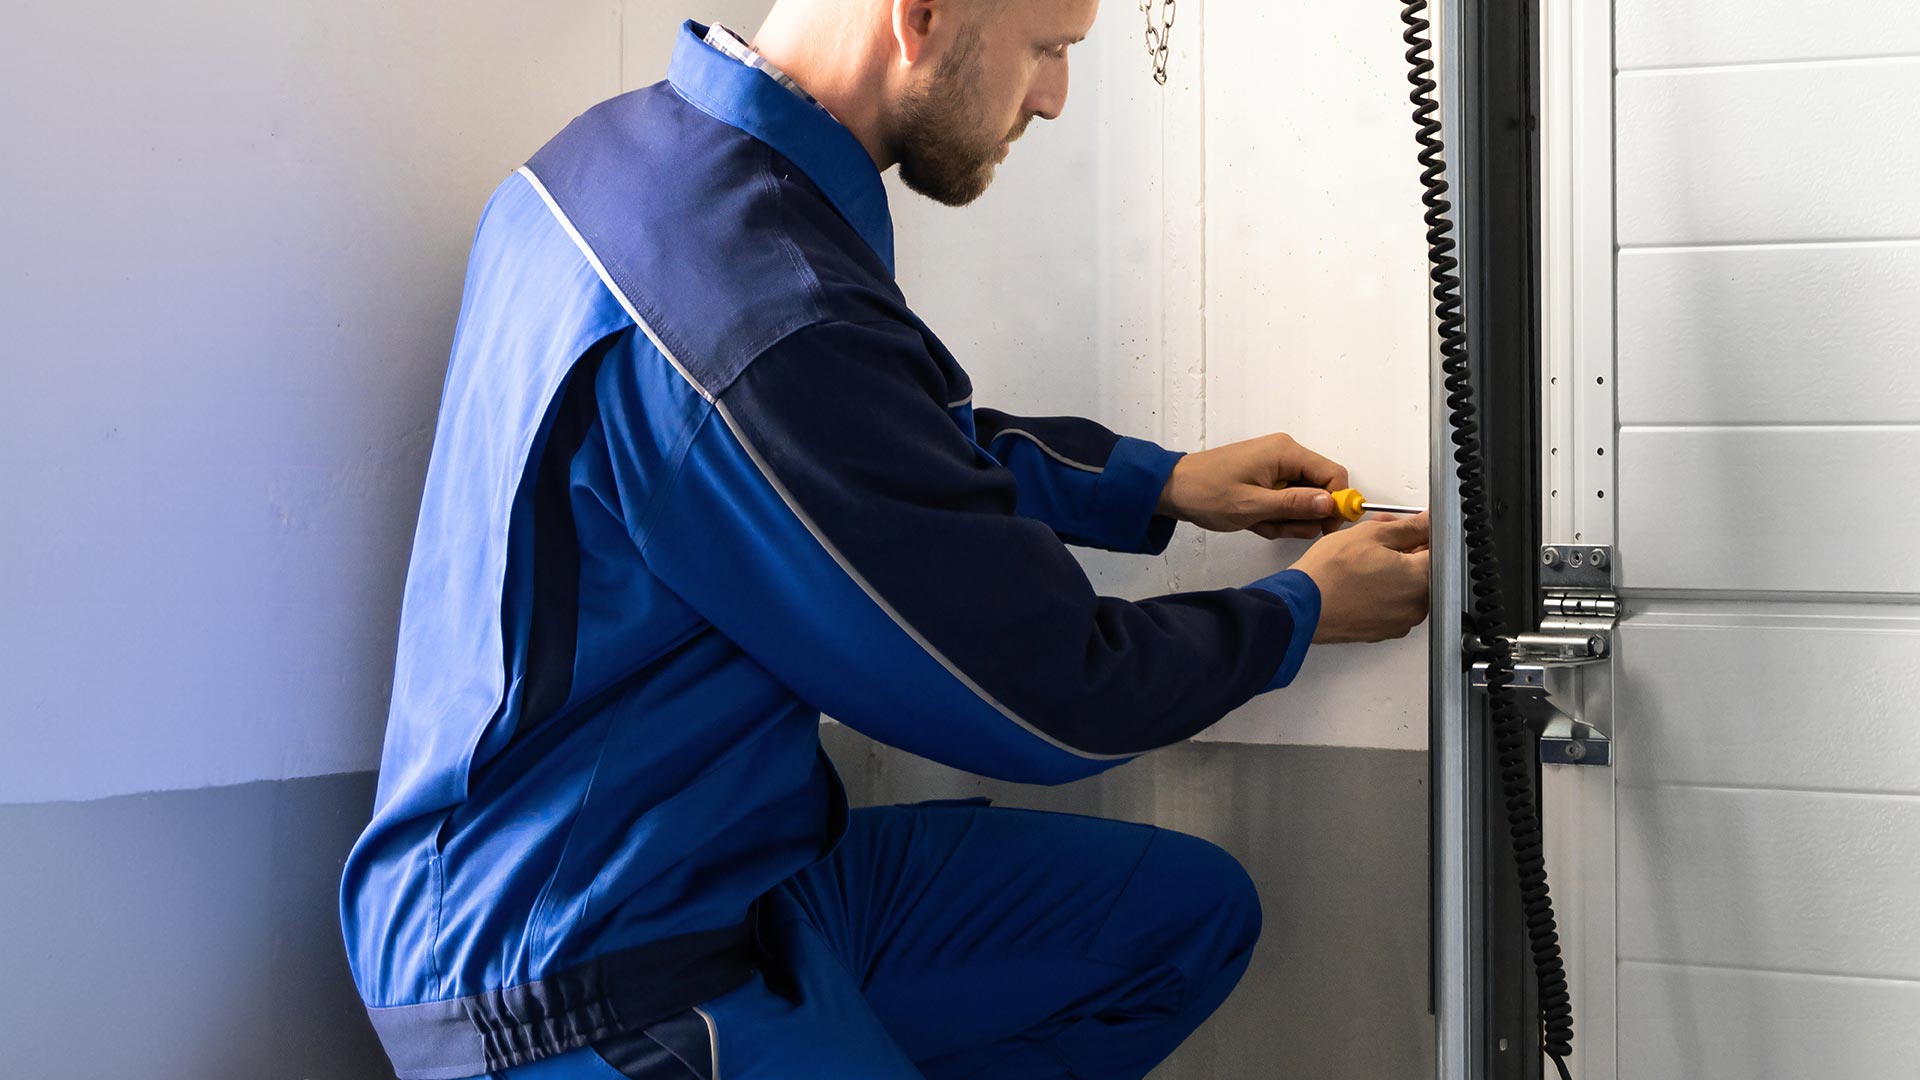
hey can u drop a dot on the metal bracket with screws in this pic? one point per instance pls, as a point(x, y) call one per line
point(1567, 741)
point(1564, 739)
point(1576, 629)
point(1576, 566)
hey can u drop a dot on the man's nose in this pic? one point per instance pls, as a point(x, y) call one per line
point(1049, 95)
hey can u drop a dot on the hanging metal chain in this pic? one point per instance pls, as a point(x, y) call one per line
point(1157, 35)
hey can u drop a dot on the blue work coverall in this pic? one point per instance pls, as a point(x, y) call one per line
point(700, 475)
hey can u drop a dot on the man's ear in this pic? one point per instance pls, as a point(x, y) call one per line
point(913, 25)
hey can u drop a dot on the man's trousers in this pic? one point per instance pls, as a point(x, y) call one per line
point(955, 941)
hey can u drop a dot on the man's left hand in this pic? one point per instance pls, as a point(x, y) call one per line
point(1236, 487)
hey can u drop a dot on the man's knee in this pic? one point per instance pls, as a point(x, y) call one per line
point(1190, 905)
point(1223, 893)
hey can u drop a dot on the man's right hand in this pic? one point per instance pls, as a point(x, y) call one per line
point(1372, 578)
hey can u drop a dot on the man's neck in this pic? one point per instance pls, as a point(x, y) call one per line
point(843, 65)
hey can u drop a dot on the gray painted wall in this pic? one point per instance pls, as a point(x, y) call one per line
point(191, 935)
point(185, 935)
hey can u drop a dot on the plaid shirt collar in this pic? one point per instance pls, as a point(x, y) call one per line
point(736, 46)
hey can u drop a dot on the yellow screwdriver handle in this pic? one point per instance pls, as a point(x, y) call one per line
point(1347, 502)
point(1351, 504)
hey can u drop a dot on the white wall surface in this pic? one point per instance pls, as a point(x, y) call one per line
point(1316, 311)
point(233, 267)
point(234, 239)
point(1235, 254)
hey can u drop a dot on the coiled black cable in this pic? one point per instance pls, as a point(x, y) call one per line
point(1487, 620)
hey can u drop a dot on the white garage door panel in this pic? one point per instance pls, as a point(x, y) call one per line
point(1698, 1024)
point(1757, 847)
point(1827, 334)
point(1674, 33)
point(1749, 155)
point(1784, 880)
point(1726, 508)
point(1779, 706)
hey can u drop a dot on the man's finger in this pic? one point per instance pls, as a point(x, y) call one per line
point(1319, 471)
point(1298, 504)
point(1286, 530)
point(1406, 534)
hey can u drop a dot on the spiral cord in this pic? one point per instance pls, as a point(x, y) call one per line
point(1487, 620)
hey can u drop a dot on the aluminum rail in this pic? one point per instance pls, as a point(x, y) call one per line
point(1454, 754)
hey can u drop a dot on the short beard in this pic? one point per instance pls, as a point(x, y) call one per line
point(932, 133)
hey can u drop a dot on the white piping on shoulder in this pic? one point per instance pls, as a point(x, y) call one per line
point(793, 506)
point(607, 279)
point(1051, 452)
point(713, 1041)
point(968, 400)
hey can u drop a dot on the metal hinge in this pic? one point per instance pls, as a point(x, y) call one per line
point(1576, 629)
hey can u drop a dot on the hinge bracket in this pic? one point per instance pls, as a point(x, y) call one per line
point(1576, 629)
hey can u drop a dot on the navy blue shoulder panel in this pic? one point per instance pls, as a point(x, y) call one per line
point(688, 215)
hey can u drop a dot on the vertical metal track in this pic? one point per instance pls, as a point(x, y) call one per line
point(1486, 999)
point(1459, 1023)
point(1500, 222)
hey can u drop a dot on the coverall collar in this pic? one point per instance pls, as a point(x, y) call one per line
point(805, 134)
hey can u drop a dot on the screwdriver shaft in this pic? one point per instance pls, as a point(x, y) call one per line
point(1382, 508)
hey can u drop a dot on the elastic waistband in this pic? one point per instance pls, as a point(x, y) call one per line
point(622, 991)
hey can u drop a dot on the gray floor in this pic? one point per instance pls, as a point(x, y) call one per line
point(192, 935)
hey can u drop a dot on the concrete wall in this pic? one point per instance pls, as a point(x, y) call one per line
point(231, 254)
point(1338, 985)
point(183, 935)
point(234, 249)
point(1235, 254)
point(234, 266)
point(234, 239)
point(190, 935)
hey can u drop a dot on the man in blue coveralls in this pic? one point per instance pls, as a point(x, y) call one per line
point(701, 475)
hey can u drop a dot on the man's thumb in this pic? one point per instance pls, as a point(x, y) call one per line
point(1407, 533)
point(1299, 504)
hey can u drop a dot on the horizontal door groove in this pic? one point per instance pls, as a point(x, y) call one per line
point(1868, 612)
point(1783, 425)
point(1761, 970)
point(1770, 245)
point(1774, 789)
point(1766, 65)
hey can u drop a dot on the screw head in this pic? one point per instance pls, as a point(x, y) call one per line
point(1550, 556)
point(1576, 751)
point(1577, 559)
point(1598, 556)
